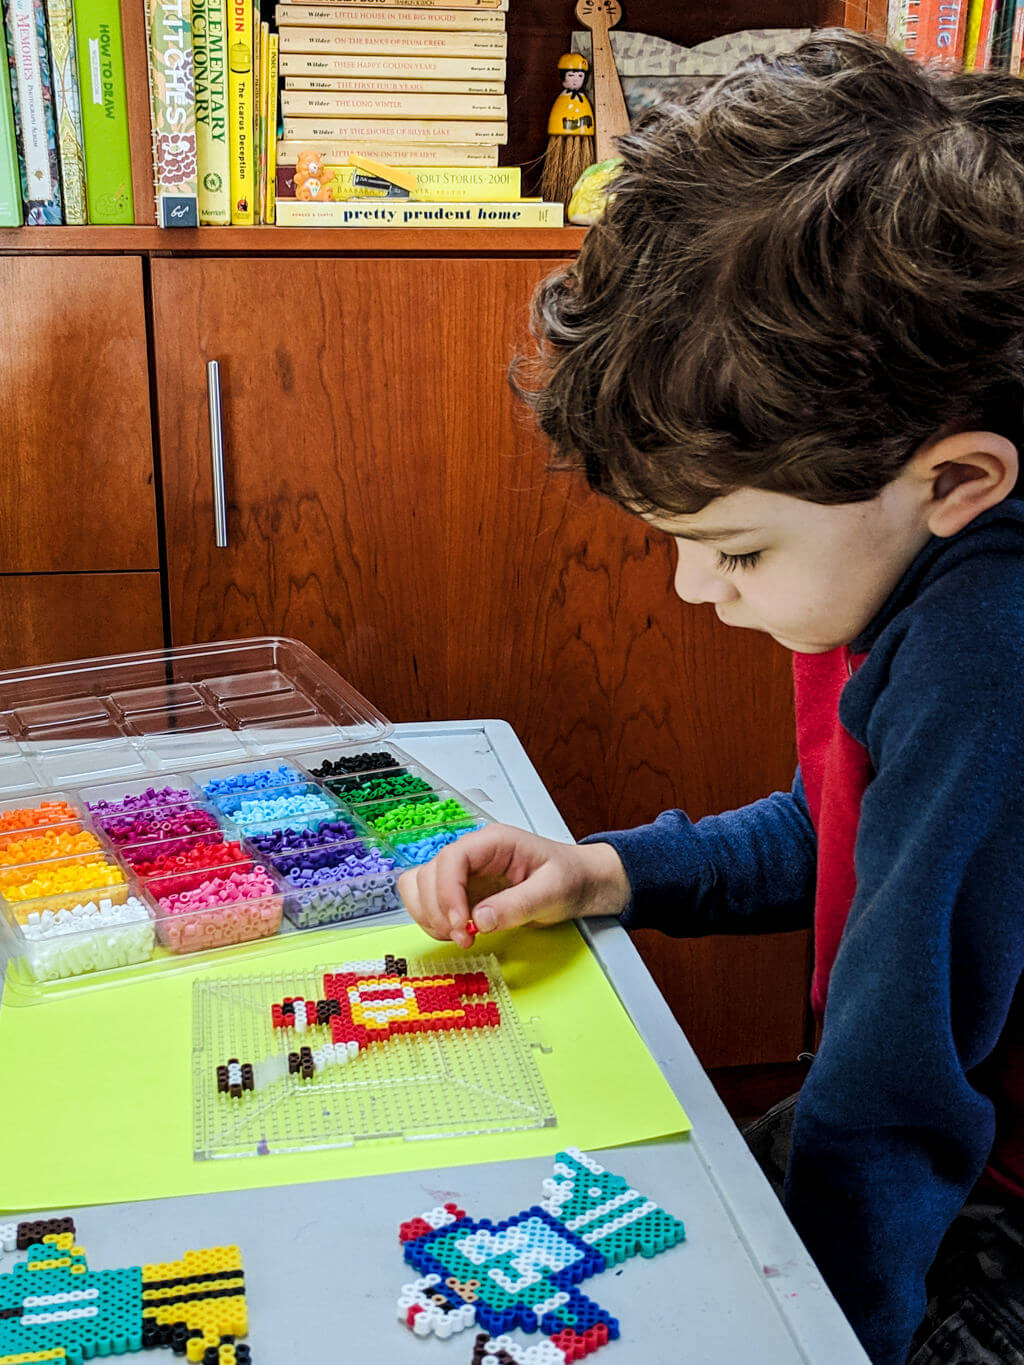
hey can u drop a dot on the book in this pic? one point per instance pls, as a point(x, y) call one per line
point(261, 136)
point(434, 184)
point(398, 17)
point(209, 53)
point(272, 82)
point(10, 179)
point(32, 107)
point(1016, 39)
point(67, 109)
point(393, 68)
point(316, 129)
point(895, 23)
point(393, 87)
point(408, 213)
point(978, 38)
point(337, 151)
point(1002, 34)
point(393, 42)
point(173, 113)
point(426, 4)
point(972, 33)
point(983, 56)
point(346, 104)
point(942, 41)
point(108, 167)
point(912, 29)
point(256, 39)
point(240, 110)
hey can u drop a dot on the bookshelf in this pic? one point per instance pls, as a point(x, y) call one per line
point(538, 34)
point(387, 500)
point(235, 241)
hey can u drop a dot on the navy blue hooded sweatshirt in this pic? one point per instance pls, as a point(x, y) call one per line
point(918, 1081)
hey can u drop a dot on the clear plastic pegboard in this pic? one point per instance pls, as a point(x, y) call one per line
point(389, 1048)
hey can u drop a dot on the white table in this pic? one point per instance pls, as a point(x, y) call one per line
point(741, 1291)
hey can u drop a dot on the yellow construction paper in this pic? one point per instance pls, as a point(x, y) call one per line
point(96, 1090)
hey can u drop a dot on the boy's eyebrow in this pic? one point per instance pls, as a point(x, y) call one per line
point(715, 533)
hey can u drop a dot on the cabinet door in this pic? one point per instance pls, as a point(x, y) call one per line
point(389, 504)
point(45, 618)
point(74, 421)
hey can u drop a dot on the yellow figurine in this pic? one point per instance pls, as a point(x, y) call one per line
point(570, 132)
point(571, 114)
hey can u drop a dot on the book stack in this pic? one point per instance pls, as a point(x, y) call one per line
point(64, 155)
point(411, 85)
point(968, 35)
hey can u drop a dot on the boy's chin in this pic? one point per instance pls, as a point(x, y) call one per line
point(801, 646)
point(794, 646)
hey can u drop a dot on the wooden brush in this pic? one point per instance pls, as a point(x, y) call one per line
point(612, 119)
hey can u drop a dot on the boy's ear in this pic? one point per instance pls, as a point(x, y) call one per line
point(964, 474)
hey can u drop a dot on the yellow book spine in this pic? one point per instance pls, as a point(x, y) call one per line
point(272, 76)
point(392, 68)
point(336, 151)
point(240, 101)
point(349, 104)
point(312, 130)
point(387, 87)
point(394, 42)
point(261, 186)
point(447, 184)
point(406, 213)
point(209, 45)
point(342, 16)
point(255, 111)
point(974, 12)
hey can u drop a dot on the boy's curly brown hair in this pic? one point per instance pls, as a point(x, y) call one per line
point(806, 271)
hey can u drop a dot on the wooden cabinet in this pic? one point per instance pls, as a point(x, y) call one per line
point(79, 563)
point(389, 504)
point(78, 456)
point(45, 618)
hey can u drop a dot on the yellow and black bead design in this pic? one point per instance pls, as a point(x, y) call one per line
point(197, 1306)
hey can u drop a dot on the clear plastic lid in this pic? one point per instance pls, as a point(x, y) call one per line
point(145, 715)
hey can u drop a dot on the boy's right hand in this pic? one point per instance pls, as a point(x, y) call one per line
point(502, 877)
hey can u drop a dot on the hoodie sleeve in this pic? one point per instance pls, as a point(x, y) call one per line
point(891, 1129)
point(747, 871)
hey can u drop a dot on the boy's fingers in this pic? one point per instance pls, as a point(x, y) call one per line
point(518, 905)
point(451, 870)
point(410, 890)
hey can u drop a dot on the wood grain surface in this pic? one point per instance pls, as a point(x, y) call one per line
point(389, 504)
point(75, 421)
point(244, 241)
point(135, 42)
point(45, 618)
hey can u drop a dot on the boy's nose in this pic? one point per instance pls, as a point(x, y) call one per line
point(698, 584)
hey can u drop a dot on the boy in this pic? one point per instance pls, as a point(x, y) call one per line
point(796, 345)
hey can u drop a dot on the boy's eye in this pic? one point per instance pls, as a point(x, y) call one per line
point(731, 562)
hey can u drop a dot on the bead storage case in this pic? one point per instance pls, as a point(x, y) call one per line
point(213, 799)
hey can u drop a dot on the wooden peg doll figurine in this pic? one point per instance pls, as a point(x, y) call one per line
point(570, 132)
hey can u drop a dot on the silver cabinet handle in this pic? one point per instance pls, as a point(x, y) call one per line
point(220, 504)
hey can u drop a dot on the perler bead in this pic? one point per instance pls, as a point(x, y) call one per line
point(523, 1272)
point(54, 1308)
point(366, 1003)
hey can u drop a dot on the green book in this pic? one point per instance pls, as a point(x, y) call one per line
point(209, 29)
point(108, 167)
point(10, 178)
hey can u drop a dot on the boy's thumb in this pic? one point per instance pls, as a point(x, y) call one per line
point(503, 911)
